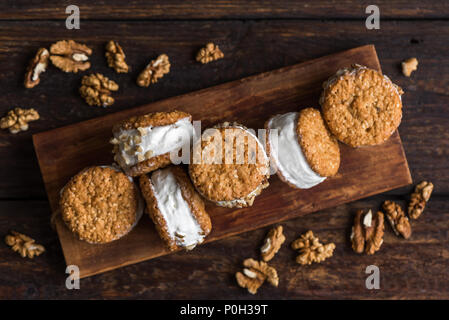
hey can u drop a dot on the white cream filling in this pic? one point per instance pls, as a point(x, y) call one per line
point(181, 224)
point(287, 154)
point(137, 145)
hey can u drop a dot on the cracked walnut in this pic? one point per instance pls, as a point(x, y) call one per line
point(419, 199)
point(70, 56)
point(254, 275)
point(24, 245)
point(155, 70)
point(272, 244)
point(36, 66)
point(311, 249)
point(398, 221)
point(116, 57)
point(367, 232)
point(17, 119)
point(96, 90)
point(209, 53)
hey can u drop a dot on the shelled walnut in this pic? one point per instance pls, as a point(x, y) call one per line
point(408, 66)
point(367, 232)
point(17, 119)
point(209, 53)
point(311, 249)
point(70, 56)
point(96, 90)
point(24, 245)
point(116, 57)
point(398, 221)
point(419, 199)
point(155, 70)
point(272, 244)
point(254, 275)
point(36, 66)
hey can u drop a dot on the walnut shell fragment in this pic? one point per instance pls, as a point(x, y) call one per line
point(155, 70)
point(17, 119)
point(311, 249)
point(24, 245)
point(367, 232)
point(36, 66)
point(398, 221)
point(419, 199)
point(96, 90)
point(254, 275)
point(70, 56)
point(209, 53)
point(116, 57)
point(273, 242)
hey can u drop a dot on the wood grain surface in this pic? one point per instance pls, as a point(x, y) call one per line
point(409, 269)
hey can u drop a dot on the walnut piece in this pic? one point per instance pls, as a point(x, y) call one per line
point(209, 53)
point(399, 222)
point(367, 232)
point(409, 65)
point(311, 249)
point(24, 245)
point(96, 90)
point(36, 66)
point(419, 198)
point(116, 57)
point(254, 275)
point(70, 56)
point(272, 244)
point(17, 119)
point(155, 70)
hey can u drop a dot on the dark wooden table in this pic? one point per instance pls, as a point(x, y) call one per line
point(256, 36)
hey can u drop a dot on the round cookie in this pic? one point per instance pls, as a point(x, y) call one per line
point(234, 176)
point(100, 204)
point(318, 145)
point(361, 106)
point(143, 143)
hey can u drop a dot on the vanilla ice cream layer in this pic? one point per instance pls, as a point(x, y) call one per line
point(136, 145)
point(181, 224)
point(287, 153)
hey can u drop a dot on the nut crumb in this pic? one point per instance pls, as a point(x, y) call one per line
point(272, 244)
point(367, 232)
point(155, 70)
point(17, 119)
point(116, 57)
point(36, 66)
point(408, 66)
point(419, 199)
point(254, 275)
point(209, 53)
point(70, 56)
point(399, 222)
point(311, 249)
point(96, 90)
point(24, 245)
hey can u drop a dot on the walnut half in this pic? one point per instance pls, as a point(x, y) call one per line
point(419, 199)
point(273, 242)
point(24, 245)
point(37, 66)
point(96, 90)
point(311, 249)
point(367, 232)
point(254, 275)
point(116, 57)
point(17, 119)
point(70, 56)
point(209, 53)
point(155, 70)
point(399, 222)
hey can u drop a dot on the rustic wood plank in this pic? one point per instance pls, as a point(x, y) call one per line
point(250, 48)
point(363, 172)
point(413, 269)
point(224, 9)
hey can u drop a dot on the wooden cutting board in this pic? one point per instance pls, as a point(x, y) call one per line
point(364, 171)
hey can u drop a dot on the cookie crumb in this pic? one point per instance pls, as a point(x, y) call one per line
point(408, 66)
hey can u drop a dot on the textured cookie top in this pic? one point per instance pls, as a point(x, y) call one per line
point(151, 119)
point(318, 145)
point(228, 180)
point(99, 204)
point(361, 106)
